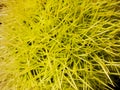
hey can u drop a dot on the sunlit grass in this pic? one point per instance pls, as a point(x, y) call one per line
point(59, 44)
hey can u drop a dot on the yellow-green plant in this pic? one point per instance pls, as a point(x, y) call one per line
point(59, 44)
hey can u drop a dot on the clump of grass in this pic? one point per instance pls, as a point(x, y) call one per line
point(59, 44)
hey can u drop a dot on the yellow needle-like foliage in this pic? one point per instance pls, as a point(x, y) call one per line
point(59, 44)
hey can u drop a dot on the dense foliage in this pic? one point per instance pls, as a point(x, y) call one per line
point(59, 44)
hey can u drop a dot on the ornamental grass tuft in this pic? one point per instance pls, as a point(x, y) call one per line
point(59, 44)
